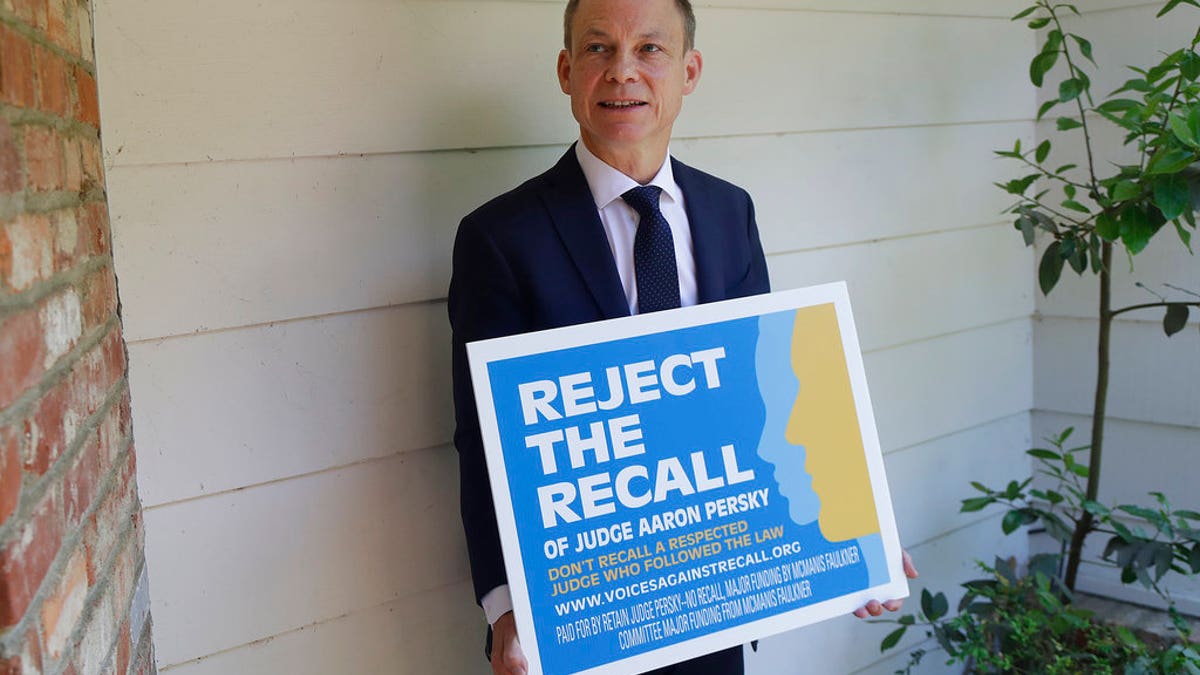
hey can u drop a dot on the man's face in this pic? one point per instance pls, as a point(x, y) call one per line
point(627, 72)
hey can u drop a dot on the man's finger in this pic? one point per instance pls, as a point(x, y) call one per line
point(910, 570)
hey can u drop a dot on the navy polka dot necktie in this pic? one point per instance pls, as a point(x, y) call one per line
point(653, 252)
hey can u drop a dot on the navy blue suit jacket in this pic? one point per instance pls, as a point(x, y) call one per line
point(537, 258)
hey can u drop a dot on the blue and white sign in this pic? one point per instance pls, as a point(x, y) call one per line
point(676, 483)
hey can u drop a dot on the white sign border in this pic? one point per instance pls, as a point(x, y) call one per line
point(483, 352)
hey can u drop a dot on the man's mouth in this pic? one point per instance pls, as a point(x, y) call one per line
point(618, 105)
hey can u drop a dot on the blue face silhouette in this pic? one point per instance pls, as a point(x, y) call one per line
point(778, 385)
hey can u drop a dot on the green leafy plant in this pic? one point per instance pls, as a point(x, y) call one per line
point(1086, 213)
point(1009, 623)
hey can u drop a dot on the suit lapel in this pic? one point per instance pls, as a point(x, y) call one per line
point(573, 212)
point(706, 239)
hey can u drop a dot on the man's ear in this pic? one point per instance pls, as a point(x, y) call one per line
point(693, 63)
point(564, 71)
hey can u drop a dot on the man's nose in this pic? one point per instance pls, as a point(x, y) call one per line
point(623, 68)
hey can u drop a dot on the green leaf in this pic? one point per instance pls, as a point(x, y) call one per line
point(1065, 168)
point(1171, 195)
point(940, 606)
point(1075, 206)
point(1012, 520)
point(1125, 190)
point(892, 639)
point(1024, 13)
point(1085, 48)
point(1027, 227)
point(1096, 253)
point(1043, 454)
point(1118, 105)
point(1184, 235)
point(1046, 107)
point(1136, 229)
point(1078, 260)
point(1135, 84)
point(1070, 89)
point(986, 490)
point(1173, 4)
point(1038, 24)
point(1040, 65)
point(1183, 130)
point(1107, 227)
point(975, 504)
point(1189, 67)
point(1051, 268)
point(1170, 160)
point(1043, 151)
point(1175, 319)
point(1068, 123)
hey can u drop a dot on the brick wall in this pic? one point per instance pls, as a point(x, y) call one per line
point(73, 590)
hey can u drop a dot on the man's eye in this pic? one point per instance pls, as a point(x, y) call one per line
point(593, 48)
point(651, 48)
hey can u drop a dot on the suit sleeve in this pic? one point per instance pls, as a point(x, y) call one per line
point(483, 302)
point(756, 279)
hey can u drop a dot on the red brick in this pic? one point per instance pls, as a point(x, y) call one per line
point(74, 160)
point(16, 68)
point(32, 12)
point(31, 241)
point(23, 566)
point(6, 257)
point(64, 225)
point(11, 173)
point(93, 166)
point(62, 609)
point(24, 350)
point(79, 485)
point(45, 428)
point(100, 299)
point(10, 471)
point(56, 23)
point(44, 159)
point(124, 645)
point(88, 110)
point(54, 94)
point(93, 229)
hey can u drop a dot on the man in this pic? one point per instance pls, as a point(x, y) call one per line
point(613, 229)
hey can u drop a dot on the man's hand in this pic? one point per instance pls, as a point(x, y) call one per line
point(874, 607)
point(507, 657)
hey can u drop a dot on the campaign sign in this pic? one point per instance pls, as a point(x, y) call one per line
point(675, 483)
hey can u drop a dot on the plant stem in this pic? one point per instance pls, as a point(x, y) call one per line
point(1149, 305)
point(1099, 408)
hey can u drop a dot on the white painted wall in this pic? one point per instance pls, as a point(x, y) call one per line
point(285, 179)
point(1153, 434)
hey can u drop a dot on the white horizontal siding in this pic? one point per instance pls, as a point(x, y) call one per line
point(235, 80)
point(442, 625)
point(246, 565)
point(1152, 378)
point(209, 246)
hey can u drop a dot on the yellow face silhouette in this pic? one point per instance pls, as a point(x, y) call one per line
point(825, 422)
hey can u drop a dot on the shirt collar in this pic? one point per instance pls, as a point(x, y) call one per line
point(608, 184)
